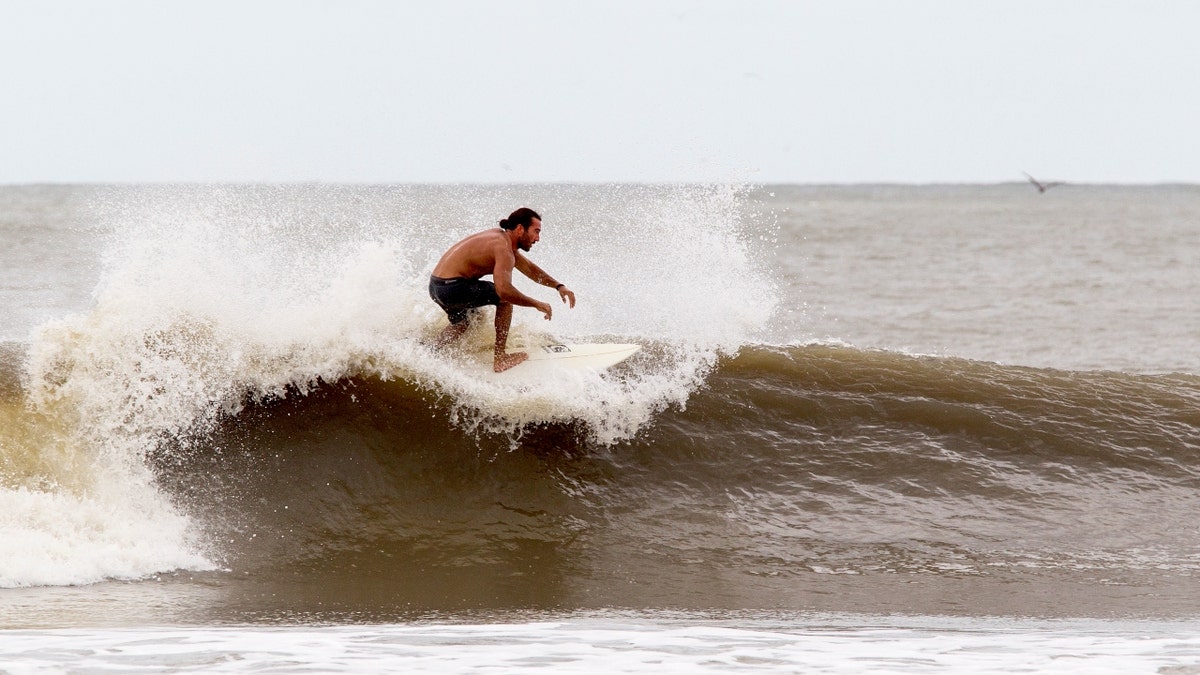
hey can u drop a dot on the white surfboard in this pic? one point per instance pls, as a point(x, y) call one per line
point(547, 360)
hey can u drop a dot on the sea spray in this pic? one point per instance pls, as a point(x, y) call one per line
point(215, 298)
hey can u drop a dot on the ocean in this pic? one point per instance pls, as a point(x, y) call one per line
point(871, 429)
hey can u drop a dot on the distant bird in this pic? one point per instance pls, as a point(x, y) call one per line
point(1042, 187)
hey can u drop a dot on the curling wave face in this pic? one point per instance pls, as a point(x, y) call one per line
point(802, 477)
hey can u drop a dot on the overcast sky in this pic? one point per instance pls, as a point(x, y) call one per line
point(759, 91)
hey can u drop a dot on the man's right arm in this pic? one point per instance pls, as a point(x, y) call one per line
point(502, 276)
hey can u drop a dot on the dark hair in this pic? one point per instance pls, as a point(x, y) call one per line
point(521, 216)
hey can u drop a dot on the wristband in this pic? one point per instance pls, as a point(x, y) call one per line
point(559, 286)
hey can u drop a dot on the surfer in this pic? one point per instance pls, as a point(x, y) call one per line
point(456, 284)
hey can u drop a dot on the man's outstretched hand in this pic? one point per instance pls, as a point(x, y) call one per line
point(567, 295)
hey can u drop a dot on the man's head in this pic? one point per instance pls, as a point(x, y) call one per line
point(521, 216)
point(527, 225)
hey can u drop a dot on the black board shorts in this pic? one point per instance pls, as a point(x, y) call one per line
point(459, 296)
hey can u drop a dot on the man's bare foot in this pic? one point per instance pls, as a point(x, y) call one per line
point(506, 361)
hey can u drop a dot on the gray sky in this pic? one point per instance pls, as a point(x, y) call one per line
point(584, 90)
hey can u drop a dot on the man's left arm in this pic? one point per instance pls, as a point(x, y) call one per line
point(539, 276)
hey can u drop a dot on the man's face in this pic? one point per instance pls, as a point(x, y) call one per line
point(528, 236)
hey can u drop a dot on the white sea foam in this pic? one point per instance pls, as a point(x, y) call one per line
point(54, 537)
point(588, 646)
point(211, 298)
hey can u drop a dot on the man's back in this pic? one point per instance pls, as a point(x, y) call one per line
point(472, 257)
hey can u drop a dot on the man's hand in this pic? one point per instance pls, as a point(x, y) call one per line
point(566, 294)
point(545, 308)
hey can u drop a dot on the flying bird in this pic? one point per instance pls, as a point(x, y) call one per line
point(1042, 187)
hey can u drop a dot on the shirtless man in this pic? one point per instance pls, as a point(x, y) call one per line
point(456, 284)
